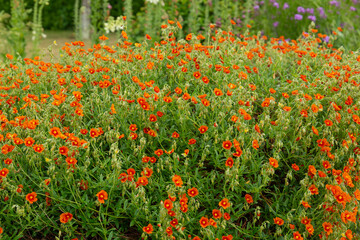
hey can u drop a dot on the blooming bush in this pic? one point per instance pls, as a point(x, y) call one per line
point(290, 18)
point(213, 137)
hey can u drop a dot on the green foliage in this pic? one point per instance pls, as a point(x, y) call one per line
point(13, 28)
point(36, 25)
point(98, 15)
point(94, 143)
point(77, 20)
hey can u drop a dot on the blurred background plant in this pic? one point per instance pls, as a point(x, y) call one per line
point(273, 18)
point(37, 29)
point(13, 28)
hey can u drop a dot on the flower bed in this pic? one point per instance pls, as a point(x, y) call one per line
point(204, 138)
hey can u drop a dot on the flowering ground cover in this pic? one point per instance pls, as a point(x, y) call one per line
point(208, 137)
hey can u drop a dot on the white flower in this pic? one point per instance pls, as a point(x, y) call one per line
point(153, 1)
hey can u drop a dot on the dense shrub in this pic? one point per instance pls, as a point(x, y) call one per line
point(214, 137)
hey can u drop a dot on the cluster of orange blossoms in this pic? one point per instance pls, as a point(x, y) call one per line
point(197, 135)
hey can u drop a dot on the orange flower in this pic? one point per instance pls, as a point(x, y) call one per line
point(192, 141)
point(357, 194)
point(175, 135)
point(103, 38)
point(228, 237)
point(9, 56)
point(177, 180)
point(327, 227)
point(71, 161)
point(65, 217)
point(205, 80)
point(102, 195)
point(133, 127)
point(168, 204)
point(204, 222)
point(93, 133)
point(305, 220)
point(29, 141)
point(179, 25)
point(314, 108)
point(227, 216)
point(197, 75)
point(4, 172)
point(148, 229)
point(273, 162)
point(159, 152)
point(348, 216)
point(249, 198)
point(193, 192)
point(38, 148)
point(83, 131)
point(255, 144)
point(227, 144)
point(278, 221)
point(349, 234)
point(297, 236)
point(257, 128)
point(142, 181)
point(305, 204)
point(213, 223)
point(295, 167)
point(229, 162)
point(55, 132)
point(216, 213)
point(313, 189)
point(287, 109)
point(203, 129)
point(218, 92)
point(224, 203)
point(31, 197)
point(315, 131)
point(328, 122)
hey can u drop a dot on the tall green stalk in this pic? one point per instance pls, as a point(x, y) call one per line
point(149, 19)
point(128, 14)
point(16, 36)
point(193, 15)
point(97, 19)
point(207, 10)
point(77, 20)
point(37, 29)
point(216, 9)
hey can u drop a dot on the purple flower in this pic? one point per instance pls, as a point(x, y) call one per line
point(301, 10)
point(321, 12)
point(312, 18)
point(275, 24)
point(275, 4)
point(298, 17)
point(335, 3)
point(256, 7)
point(286, 6)
point(352, 8)
point(310, 10)
point(109, 6)
point(262, 2)
point(326, 39)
